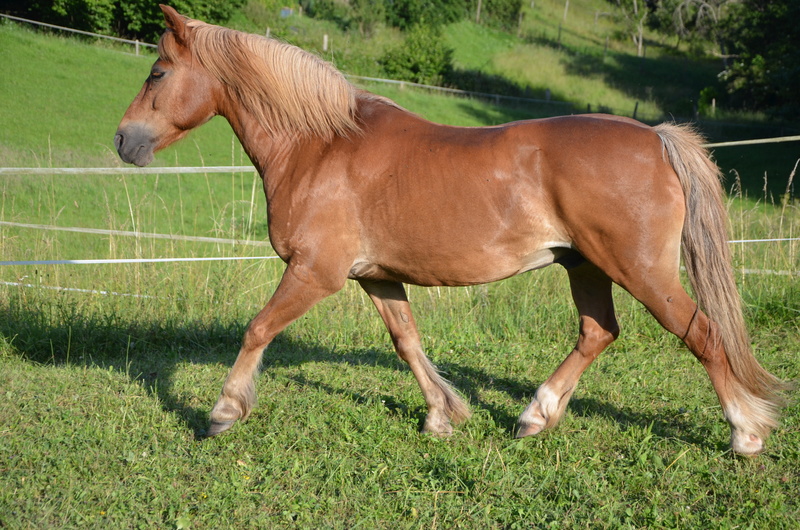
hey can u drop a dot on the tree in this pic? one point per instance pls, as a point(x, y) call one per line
point(634, 14)
point(702, 18)
point(140, 19)
point(763, 37)
point(406, 14)
point(422, 58)
point(368, 14)
point(503, 14)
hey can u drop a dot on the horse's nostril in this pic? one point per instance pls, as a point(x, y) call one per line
point(118, 139)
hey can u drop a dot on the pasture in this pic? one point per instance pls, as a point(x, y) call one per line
point(105, 398)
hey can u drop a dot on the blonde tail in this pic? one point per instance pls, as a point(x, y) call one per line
point(708, 263)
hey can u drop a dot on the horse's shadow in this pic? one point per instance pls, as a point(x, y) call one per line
point(152, 353)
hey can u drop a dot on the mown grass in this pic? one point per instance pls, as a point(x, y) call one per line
point(105, 398)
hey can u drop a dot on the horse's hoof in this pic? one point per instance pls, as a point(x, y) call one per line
point(438, 434)
point(217, 427)
point(437, 425)
point(746, 445)
point(529, 429)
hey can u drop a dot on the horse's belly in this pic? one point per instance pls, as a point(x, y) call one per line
point(473, 268)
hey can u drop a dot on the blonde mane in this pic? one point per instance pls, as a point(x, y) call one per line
point(286, 89)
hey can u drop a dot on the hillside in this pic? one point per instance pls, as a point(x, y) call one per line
point(78, 90)
point(582, 57)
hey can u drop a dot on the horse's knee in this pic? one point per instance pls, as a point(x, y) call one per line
point(256, 337)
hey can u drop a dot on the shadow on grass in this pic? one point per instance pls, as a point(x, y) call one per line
point(669, 425)
point(151, 353)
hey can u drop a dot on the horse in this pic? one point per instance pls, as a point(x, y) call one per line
point(359, 188)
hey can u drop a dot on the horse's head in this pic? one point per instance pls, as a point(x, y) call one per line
point(178, 96)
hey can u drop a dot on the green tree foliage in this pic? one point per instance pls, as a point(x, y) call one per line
point(140, 19)
point(689, 18)
point(633, 14)
point(328, 10)
point(87, 15)
point(421, 58)
point(763, 37)
point(367, 15)
point(406, 14)
point(502, 14)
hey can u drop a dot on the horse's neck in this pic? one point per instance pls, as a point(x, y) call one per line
point(268, 152)
point(275, 154)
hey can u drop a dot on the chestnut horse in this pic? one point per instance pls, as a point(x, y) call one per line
point(360, 188)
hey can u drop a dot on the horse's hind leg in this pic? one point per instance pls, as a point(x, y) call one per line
point(749, 416)
point(591, 292)
point(444, 404)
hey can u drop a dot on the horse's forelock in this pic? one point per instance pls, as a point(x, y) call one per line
point(168, 47)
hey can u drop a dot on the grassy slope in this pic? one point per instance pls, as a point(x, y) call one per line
point(102, 396)
point(86, 90)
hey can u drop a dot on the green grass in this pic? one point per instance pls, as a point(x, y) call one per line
point(102, 397)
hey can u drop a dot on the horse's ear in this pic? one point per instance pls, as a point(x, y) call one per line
point(175, 23)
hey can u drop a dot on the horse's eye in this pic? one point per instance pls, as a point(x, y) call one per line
point(156, 74)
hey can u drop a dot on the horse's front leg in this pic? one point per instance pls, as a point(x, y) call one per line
point(300, 288)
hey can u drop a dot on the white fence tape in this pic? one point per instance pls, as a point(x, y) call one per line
point(144, 235)
point(132, 295)
point(241, 258)
point(755, 142)
point(122, 170)
point(764, 240)
point(74, 290)
point(129, 260)
point(247, 242)
point(769, 272)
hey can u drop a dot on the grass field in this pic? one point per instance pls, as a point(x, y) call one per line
point(105, 398)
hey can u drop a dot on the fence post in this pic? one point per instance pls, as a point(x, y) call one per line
point(137, 46)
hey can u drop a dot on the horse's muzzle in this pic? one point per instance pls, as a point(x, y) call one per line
point(135, 145)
